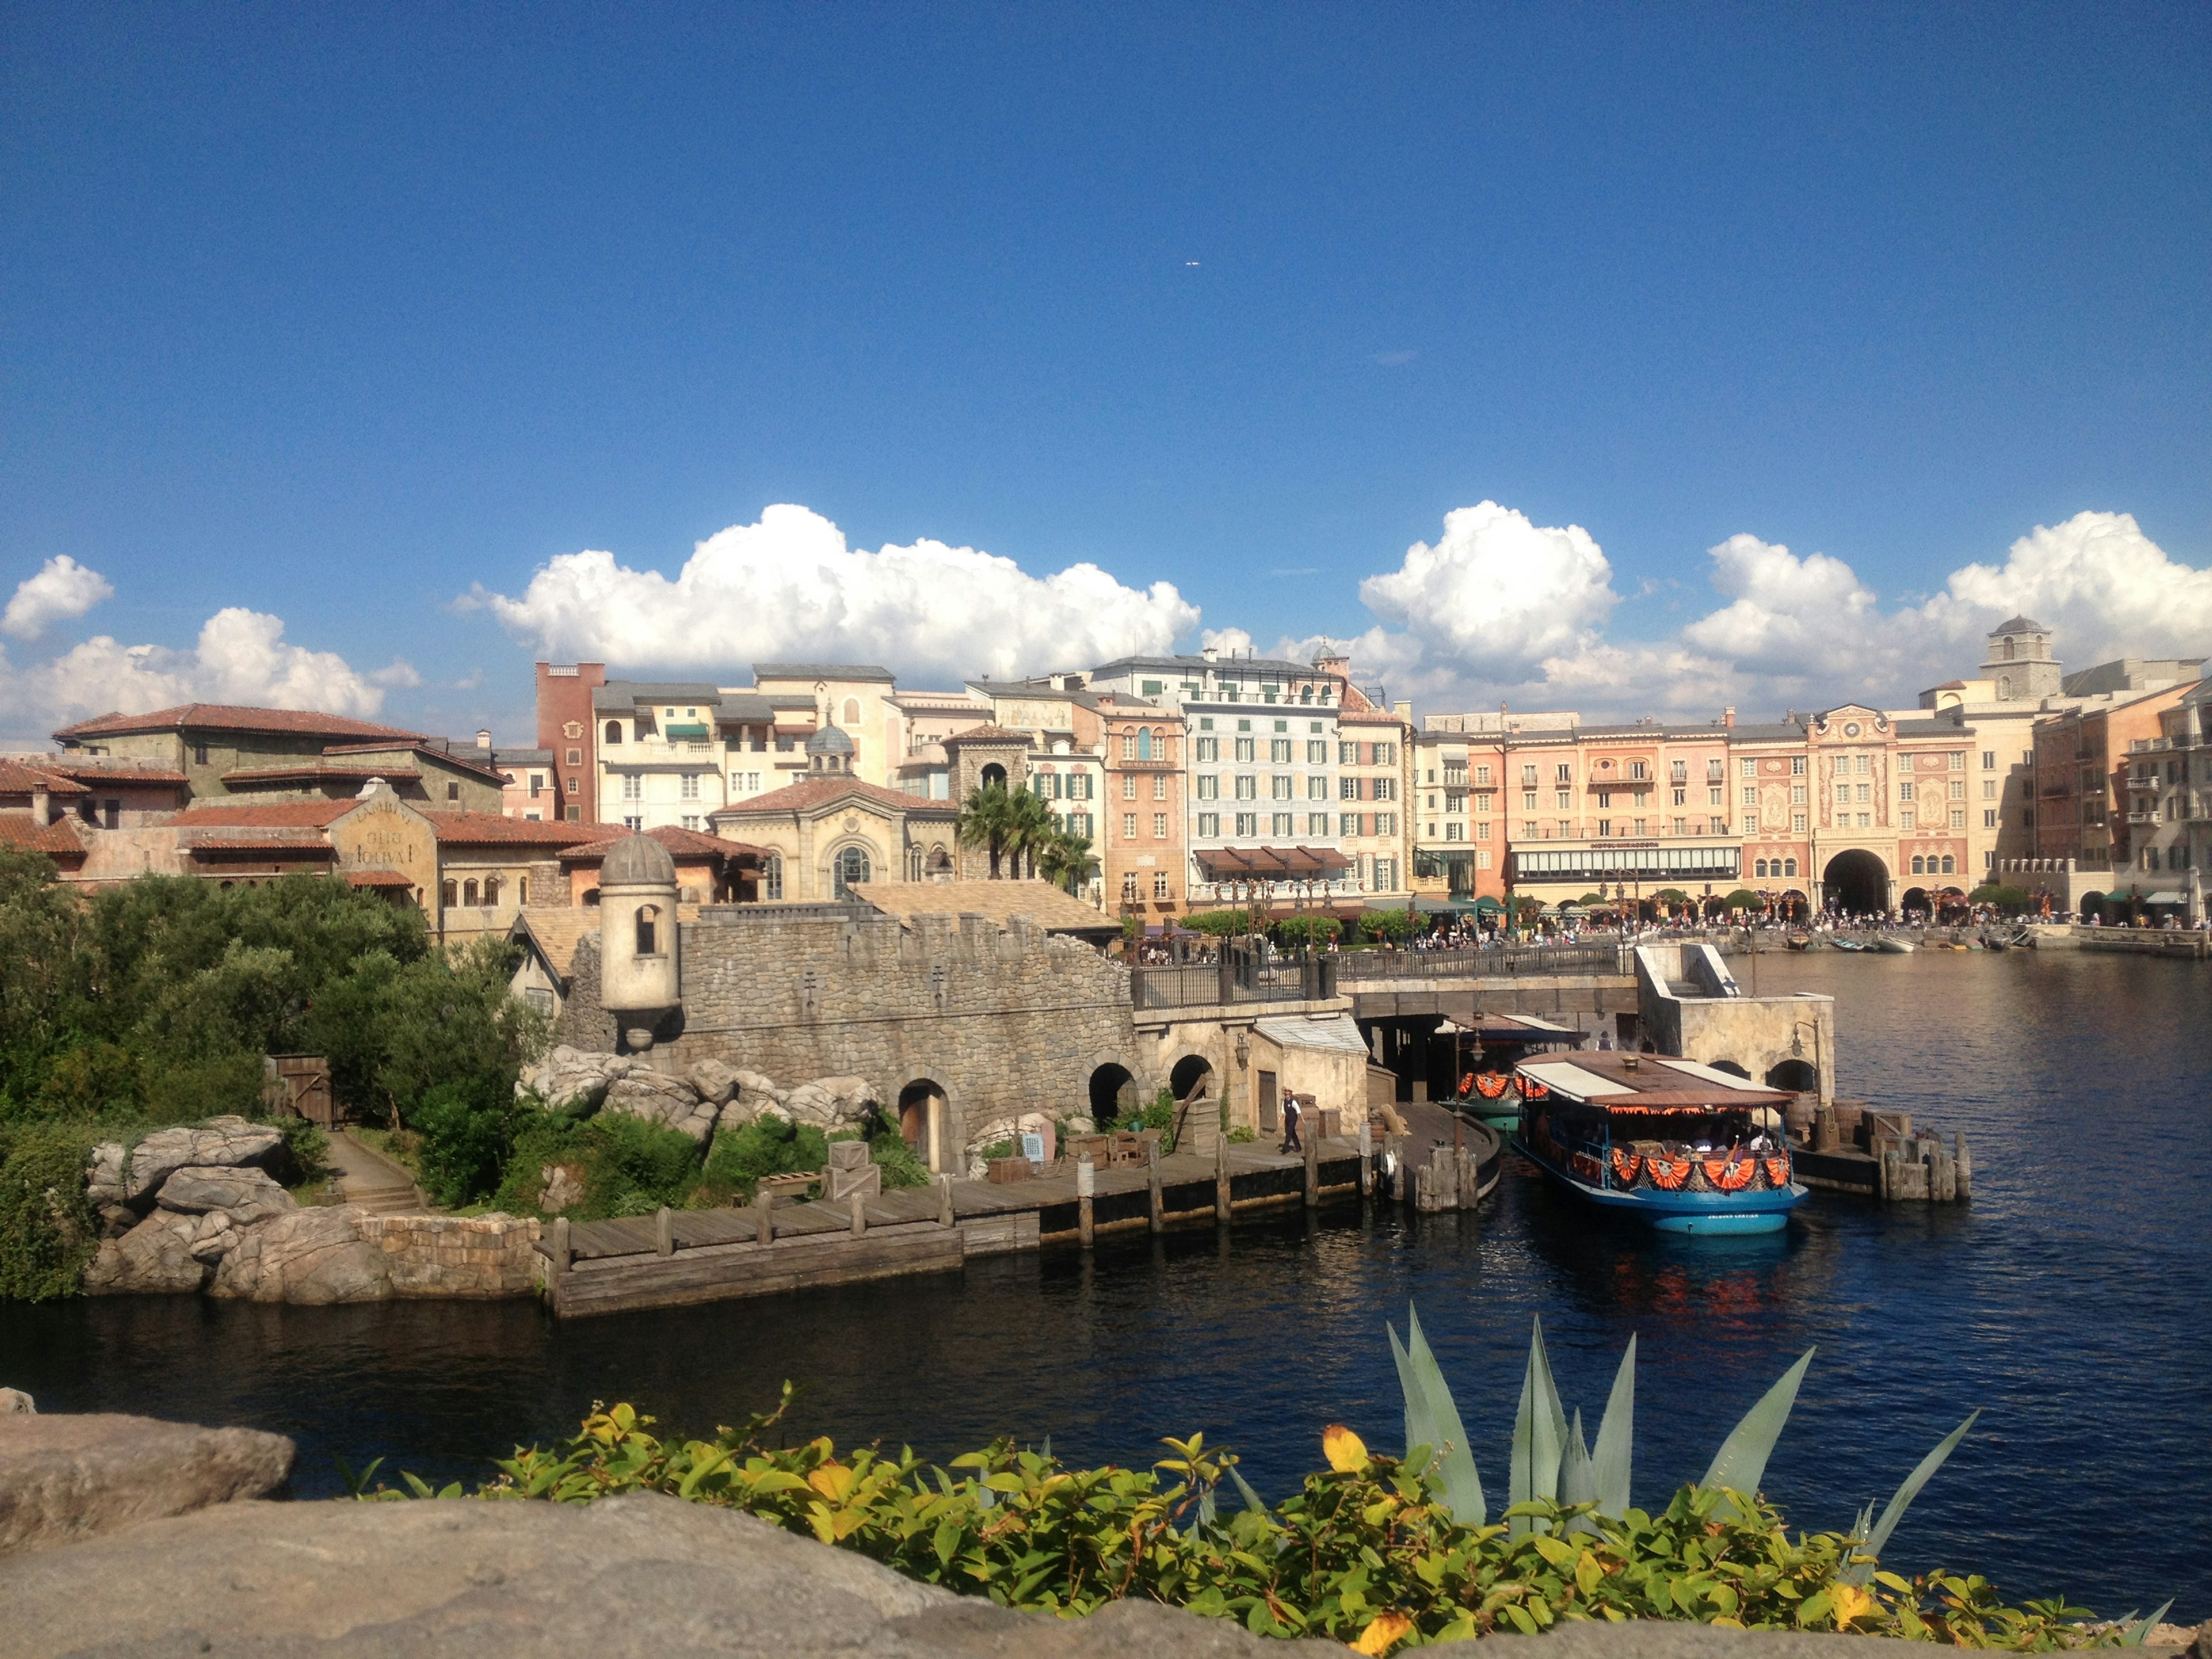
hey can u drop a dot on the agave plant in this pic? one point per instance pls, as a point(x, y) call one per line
point(1552, 1460)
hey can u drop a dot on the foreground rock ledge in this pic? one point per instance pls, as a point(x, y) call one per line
point(643, 1576)
point(66, 1478)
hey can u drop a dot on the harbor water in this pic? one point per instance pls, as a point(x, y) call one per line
point(2071, 1302)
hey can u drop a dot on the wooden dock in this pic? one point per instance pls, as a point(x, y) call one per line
point(682, 1256)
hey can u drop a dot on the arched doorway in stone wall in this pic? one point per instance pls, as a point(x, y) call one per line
point(1795, 1075)
point(1193, 1075)
point(1113, 1093)
point(921, 1119)
point(1857, 881)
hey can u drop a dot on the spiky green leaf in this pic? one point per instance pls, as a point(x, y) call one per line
point(2139, 1633)
point(1741, 1463)
point(1460, 1482)
point(1540, 1432)
point(1616, 1439)
point(1878, 1536)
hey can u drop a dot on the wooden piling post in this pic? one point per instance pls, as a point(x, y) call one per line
point(663, 1231)
point(1224, 1207)
point(1086, 1186)
point(564, 1252)
point(1398, 1176)
point(1966, 1163)
point(860, 1208)
point(1158, 1198)
point(944, 1200)
point(1312, 1150)
point(764, 1216)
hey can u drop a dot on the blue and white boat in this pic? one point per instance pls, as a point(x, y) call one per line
point(1684, 1146)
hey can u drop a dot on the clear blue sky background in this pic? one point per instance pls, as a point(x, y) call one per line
point(335, 311)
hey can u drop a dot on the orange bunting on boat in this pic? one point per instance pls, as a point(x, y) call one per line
point(1730, 1174)
point(1532, 1090)
point(1669, 1174)
point(1490, 1084)
point(1586, 1166)
point(1778, 1172)
point(1625, 1166)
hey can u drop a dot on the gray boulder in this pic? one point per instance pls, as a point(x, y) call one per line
point(16, 1402)
point(308, 1256)
point(832, 1102)
point(103, 1175)
point(643, 1576)
point(245, 1195)
point(716, 1082)
point(230, 1141)
point(564, 1186)
point(668, 1100)
point(65, 1478)
point(574, 1080)
point(154, 1257)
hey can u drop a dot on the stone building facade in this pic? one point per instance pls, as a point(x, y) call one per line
point(992, 1023)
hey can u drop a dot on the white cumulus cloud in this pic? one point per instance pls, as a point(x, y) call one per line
point(789, 586)
point(241, 656)
point(1497, 594)
point(62, 589)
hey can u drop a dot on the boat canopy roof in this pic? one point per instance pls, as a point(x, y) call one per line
point(1621, 1082)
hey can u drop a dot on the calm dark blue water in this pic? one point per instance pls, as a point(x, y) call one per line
point(2072, 1301)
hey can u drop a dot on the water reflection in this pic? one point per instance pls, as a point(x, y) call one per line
point(2069, 1300)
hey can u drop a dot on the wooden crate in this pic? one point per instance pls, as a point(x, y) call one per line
point(1002, 1171)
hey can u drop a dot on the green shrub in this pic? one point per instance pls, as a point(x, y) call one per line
point(100, 1080)
point(309, 1147)
point(1219, 923)
point(887, 1147)
point(1363, 1553)
point(1387, 924)
point(768, 1145)
point(467, 1130)
point(1159, 1115)
point(47, 1229)
point(1307, 929)
point(1241, 1136)
point(191, 1090)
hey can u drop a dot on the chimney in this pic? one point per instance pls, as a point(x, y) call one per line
point(1212, 653)
point(1727, 717)
point(483, 740)
point(42, 802)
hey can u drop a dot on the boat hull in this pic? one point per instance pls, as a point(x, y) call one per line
point(1767, 1210)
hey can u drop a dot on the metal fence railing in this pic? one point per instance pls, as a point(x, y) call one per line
point(1508, 962)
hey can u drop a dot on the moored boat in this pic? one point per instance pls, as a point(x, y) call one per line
point(1679, 1145)
point(1890, 945)
point(1486, 1093)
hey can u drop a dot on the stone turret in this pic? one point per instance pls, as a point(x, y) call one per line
point(637, 937)
point(2020, 662)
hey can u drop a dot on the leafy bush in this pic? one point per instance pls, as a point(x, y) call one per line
point(47, 1230)
point(1307, 929)
point(887, 1147)
point(309, 1150)
point(1160, 1115)
point(188, 1090)
point(1363, 1553)
point(2010, 900)
point(768, 1145)
point(467, 1128)
point(1221, 924)
point(1387, 924)
point(100, 1080)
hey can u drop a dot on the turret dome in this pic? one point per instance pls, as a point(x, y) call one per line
point(831, 751)
point(638, 860)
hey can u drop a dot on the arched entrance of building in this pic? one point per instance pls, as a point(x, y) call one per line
point(994, 776)
point(922, 1118)
point(1732, 1068)
point(1795, 1075)
point(1193, 1076)
point(1857, 881)
point(1915, 898)
point(1113, 1094)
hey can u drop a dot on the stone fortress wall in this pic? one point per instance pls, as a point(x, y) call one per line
point(1002, 1021)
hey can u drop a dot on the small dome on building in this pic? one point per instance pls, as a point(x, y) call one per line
point(638, 860)
point(2018, 625)
point(829, 750)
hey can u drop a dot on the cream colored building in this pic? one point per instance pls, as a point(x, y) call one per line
point(832, 832)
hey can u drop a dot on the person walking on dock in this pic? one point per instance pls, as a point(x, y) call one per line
point(1290, 1115)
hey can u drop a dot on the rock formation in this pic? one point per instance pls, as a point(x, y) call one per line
point(65, 1478)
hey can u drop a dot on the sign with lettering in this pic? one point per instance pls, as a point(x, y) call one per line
point(1033, 1148)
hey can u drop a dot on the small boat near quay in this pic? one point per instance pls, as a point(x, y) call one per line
point(1890, 946)
point(1679, 1145)
point(1488, 1088)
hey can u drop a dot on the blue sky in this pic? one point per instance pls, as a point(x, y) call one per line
point(339, 316)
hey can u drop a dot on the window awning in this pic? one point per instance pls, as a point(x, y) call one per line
point(1271, 863)
point(693, 734)
point(1338, 1033)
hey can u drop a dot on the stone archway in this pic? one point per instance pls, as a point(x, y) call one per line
point(922, 1121)
point(1193, 1075)
point(1113, 1093)
point(1915, 898)
point(1798, 1076)
point(1857, 881)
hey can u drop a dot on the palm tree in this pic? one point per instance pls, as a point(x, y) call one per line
point(986, 820)
point(1066, 860)
point(1029, 831)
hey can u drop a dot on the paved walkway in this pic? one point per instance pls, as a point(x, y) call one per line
point(368, 1178)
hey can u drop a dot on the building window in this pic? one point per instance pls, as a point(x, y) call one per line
point(1349, 824)
point(1159, 786)
point(1990, 820)
point(1129, 888)
point(1316, 787)
point(1209, 825)
point(1247, 824)
point(1712, 798)
point(575, 814)
point(1958, 818)
point(448, 894)
point(1161, 889)
point(1282, 825)
point(1160, 826)
point(689, 788)
point(1528, 775)
point(633, 825)
point(1279, 750)
point(469, 893)
point(453, 792)
point(648, 931)
point(633, 787)
point(1988, 760)
point(1905, 789)
point(1720, 826)
point(614, 733)
point(1317, 751)
point(691, 821)
point(536, 785)
point(1209, 749)
point(849, 871)
point(1209, 787)
point(1246, 748)
point(1128, 826)
point(576, 758)
point(1904, 818)
point(1750, 795)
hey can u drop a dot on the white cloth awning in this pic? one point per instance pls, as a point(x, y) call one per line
point(1338, 1032)
point(1571, 1079)
point(1710, 1074)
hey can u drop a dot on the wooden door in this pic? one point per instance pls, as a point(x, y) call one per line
point(1270, 1107)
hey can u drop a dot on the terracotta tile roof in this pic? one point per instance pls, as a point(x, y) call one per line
point(378, 878)
point(680, 842)
point(815, 792)
point(268, 815)
point(555, 930)
point(98, 772)
point(1051, 907)
point(20, 778)
point(231, 717)
point(56, 840)
point(496, 829)
point(315, 772)
point(989, 734)
point(430, 751)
